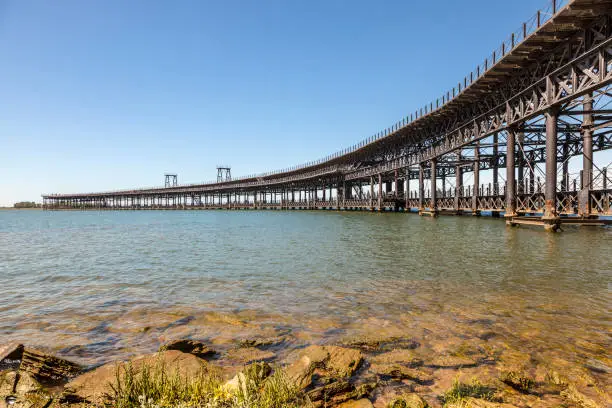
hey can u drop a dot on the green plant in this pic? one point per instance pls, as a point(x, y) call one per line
point(459, 391)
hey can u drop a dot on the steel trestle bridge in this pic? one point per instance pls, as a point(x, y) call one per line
point(541, 99)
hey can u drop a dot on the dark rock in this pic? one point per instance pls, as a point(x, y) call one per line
point(261, 342)
point(400, 372)
point(520, 381)
point(451, 362)
point(46, 368)
point(196, 348)
point(10, 356)
point(326, 392)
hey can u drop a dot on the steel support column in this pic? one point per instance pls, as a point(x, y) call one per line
point(584, 201)
point(550, 192)
point(510, 180)
point(380, 192)
point(421, 188)
point(458, 182)
point(476, 189)
point(433, 206)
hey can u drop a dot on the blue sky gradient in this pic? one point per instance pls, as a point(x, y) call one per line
point(109, 94)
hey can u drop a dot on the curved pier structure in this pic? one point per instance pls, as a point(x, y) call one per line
point(540, 99)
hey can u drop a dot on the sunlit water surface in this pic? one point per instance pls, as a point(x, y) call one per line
point(96, 286)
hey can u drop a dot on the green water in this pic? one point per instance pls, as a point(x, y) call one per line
point(94, 286)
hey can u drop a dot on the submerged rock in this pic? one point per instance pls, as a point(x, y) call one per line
point(409, 401)
point(46, 368)
point(361, 403)
point(404, 357)
point(451, 362)
point(400, 372)
point(571, 394)
point(196, 348)
point(249, 355)
point(520, 381)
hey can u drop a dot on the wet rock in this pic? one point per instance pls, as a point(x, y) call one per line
point(361, 403)
point(260, 342)
point(518, 380)
point(249, 355)
point(374, 343)
point(335, 361)
point(95, 386)
point(300, 372)
point(10, 356)
point(196, 348)
point(326, 392)
point(8, 380)
point(46, 368)
point(451, 362)
point(359, 392)
point(572, 395)
point(404, 357)
point(26, 383)
point(598, 366)
point(409, 401)
point(471, 402)
point(400, 372)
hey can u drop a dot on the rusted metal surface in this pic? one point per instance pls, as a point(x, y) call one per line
point(541, 98)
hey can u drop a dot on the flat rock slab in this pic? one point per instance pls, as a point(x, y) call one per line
point(46, 368)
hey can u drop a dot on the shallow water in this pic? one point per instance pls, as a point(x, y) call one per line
point(96, 286)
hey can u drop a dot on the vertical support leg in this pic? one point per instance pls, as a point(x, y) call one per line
point(371, 193)
point(510, 180)
point(458, 182)
point(495, 164)
point(380, 192)
point(476, 190)
point(584, 199)
point(421, 189)
point(434, 189)
point(550, 216)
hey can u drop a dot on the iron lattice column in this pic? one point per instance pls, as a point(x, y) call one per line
point(476, 188)
point(458, 181)
point(371, 193)
point(433, 205)
point(495, 165)
point(380, 192)
point(584, 201)
point(510, 180)
point(550, 192)
point(421, 188)
point(521, 165)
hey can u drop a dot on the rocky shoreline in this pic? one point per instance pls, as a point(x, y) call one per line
point(357, 372)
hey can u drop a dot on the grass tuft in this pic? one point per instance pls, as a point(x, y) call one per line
point(155, 386)
point(460, 391)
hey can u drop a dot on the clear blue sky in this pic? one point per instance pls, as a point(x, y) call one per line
point(108, 94)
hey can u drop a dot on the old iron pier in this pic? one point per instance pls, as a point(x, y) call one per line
point(540, 99)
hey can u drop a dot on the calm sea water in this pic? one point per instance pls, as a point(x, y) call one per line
point(100, 285)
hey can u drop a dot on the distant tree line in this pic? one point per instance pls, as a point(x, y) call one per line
point(27, 204)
